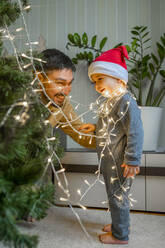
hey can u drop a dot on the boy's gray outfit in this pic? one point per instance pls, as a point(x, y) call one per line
point(126, 147)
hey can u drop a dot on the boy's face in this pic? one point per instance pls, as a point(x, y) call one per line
point(58, 84)
point(104, 84)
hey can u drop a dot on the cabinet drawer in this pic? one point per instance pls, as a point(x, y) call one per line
point(138, 193)
point(88, 158)
point(155, 197)
point(155, 160)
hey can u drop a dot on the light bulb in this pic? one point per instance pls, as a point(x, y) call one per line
point(46, 122)
point(83, 207)
point(60, 171)
point(79, 192)
point(27, 7)
point(87, 182)
point(113, 179)
point(120, 198)
point(17, 117)
point(19, 29)
point(90, 141)
point(49, 160)
point(52, 138)
point(77, 106)
point(63, 199)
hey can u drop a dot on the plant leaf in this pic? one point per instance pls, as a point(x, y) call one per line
point(90, 56)
point(74, 60)
point(143, 29)
point(93, 40)
point(85, 55)
point(160, 47)
point(145, 59)
point(147, 47)
point(71, 38)
point(133, 71)
point(155, 59)
point(135, 38)
point(161, 98)
point(85, 39)
point(158, 98)
point(144, 74)
point(133, 43)
point(146, 40)
point(137, 52)
point(149, 75)
point(136, 84)
point(67, 45)
point(102, 43)
point(97, 55)
point(77, 39)
point(119, 44)
point(144, 35)
point(152, 68)
point(161, 54)
point(128, 48)
point(137, 27)
point(163, 39)
point(80, 56)
point(162, 73)
point(135, 32)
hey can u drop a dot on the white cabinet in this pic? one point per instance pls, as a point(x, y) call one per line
point(155, 160)
point(155, 194)
point(147, 189)
point(155, 185)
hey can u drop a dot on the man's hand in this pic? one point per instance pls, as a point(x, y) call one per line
point(87, 128)
point(130, 170)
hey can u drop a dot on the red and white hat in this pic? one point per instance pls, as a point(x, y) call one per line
point(111, 63)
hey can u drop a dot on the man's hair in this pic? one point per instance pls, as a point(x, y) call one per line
point(56, 60)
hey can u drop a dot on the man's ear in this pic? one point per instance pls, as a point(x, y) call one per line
point(121, 82)
point(40, 76)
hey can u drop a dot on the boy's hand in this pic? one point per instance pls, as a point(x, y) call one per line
point(87, 128)
point(130, 170)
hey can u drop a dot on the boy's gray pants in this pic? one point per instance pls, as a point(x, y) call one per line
point(119, 209)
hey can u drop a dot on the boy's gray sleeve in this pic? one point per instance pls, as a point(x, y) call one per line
point(133, 127)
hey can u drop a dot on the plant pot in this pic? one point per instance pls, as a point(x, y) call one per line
point(151, 118)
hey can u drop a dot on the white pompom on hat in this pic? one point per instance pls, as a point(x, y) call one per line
point(111, 63)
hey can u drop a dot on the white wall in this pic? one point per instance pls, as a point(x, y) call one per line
point(54, 19)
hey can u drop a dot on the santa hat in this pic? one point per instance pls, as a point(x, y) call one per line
point(111, 63)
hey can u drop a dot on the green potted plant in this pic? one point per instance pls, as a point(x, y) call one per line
point(144, 70)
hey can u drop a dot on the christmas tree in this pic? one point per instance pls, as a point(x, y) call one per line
point(24, 148)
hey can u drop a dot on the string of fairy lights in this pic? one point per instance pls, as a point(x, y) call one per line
point(101, 108)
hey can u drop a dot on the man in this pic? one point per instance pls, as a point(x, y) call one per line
point(57, 77)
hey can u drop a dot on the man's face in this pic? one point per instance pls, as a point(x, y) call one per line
point(58, 84)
